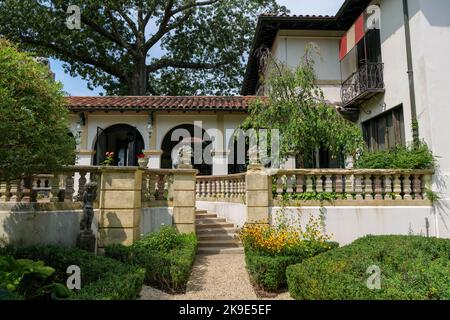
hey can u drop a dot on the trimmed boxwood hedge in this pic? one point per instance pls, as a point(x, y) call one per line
point(166, 256)
point(269, 271)
point(412, 267)
point(101, 278)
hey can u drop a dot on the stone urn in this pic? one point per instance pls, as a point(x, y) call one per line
point(143, 162)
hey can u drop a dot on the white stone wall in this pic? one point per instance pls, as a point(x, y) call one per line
point(234, 212)
point(153, 219)
point(26, 228)
point(346, 224)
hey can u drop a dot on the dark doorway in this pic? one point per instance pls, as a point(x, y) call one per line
point(124, 140)
point(196, 143)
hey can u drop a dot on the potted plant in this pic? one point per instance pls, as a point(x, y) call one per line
point(109, 160)
point(142, 160)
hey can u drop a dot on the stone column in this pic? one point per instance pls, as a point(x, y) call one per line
point(258, 194)
point(119, 205)
point(183, 196)
point(220, 162)
point(290, 163)
point(154, 158)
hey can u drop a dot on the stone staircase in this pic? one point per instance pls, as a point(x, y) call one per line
point(215, 234)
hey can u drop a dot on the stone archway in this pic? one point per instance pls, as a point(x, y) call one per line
point(124, 140)
point(168, 147)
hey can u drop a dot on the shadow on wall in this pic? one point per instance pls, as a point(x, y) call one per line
point(115, 232)
point(441, 208)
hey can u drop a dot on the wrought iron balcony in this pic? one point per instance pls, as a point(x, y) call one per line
point(363, 84)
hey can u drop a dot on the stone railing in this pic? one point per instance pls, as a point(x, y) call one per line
point(229, 188)
point(65, 186)
point(156, 186)
point(351, 185)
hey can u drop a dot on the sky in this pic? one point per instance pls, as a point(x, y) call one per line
point(76, 86)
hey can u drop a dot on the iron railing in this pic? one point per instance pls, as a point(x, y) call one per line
point(368, 79)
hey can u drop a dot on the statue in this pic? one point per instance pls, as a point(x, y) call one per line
point(86, 238)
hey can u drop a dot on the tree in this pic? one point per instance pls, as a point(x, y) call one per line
point(295, 106)
point(34, 129)
point(205, 41)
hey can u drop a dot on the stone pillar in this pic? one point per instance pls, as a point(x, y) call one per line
point(290, 163)
point(154, 158)
point(258, 194)
point(183, 196)
point(119, 205)
point(220, 162)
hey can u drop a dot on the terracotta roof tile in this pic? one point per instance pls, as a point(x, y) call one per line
point(124, 103)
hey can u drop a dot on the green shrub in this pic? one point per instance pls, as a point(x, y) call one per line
point(269, 271)
point(166, 256)
point(412, 267)
point(101, 278)
point(401, 157)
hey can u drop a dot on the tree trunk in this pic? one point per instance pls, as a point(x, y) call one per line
point(137, 85)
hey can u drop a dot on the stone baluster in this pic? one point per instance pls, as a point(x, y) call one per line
point(368, 188)
point(290, 182)
point(339, 186)
point(197, 188)
point(69, 182)
point(309, 184)
point(3, 191)
point(144, 187)
point(152, 187)
point(358, 187)
point(407, 189)
point(208, 188)
point(426, 185)
point(299, 184)
point(81, 185)
point(328, 183)
point(387, 187)
point(54, 189)
point(27, 190)
point(378, 188)
point(279, 186)
point(160, 185)
point(417, 187)
point(227, 189)
point(397, 190)
point(349, 180)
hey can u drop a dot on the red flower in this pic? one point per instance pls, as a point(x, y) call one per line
point(141, 155)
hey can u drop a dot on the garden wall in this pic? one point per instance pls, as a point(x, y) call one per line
point(348, 223)
point(31, 227)
point(153, 219)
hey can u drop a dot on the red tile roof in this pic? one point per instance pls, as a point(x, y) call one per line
point(124, 103)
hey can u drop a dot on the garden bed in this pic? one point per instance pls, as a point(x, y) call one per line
point(101, 278)
point(412, 267)
point(166, 256)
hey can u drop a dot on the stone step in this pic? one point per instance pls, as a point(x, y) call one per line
point(200, 211)
point(217, 236)
point(214, 225)
point(199, 221)
point(216, 250)
point(219, 244)
point(205, 215)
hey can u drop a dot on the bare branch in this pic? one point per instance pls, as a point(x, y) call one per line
point(169, 63)
point(194, 5)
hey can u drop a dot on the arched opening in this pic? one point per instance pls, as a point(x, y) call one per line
point(187, 136)
point(124, 140)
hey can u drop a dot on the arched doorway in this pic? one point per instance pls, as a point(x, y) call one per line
point(196, 143)
point(124, 140)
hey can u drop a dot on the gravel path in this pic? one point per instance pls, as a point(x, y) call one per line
point(214, 277)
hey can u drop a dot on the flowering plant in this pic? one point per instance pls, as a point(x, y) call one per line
point(141, 156)
point(109, 159)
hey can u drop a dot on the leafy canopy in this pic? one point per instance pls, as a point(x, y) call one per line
point(33, 118)
point(295, 106)
point(204, 42)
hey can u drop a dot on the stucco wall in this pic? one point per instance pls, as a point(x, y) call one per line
point(153, 219)
point(347, 224)
point(25, 228)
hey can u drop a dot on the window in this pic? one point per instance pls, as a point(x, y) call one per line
point(369, 48)
point(386, 131)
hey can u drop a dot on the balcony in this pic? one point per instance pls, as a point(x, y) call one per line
point(363, 84)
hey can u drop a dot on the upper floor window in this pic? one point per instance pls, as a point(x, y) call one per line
point(385, 131)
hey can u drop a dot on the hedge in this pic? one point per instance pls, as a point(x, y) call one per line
point(269, 271)
point(101, 278)
point(412, 267)
point(166, 256)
